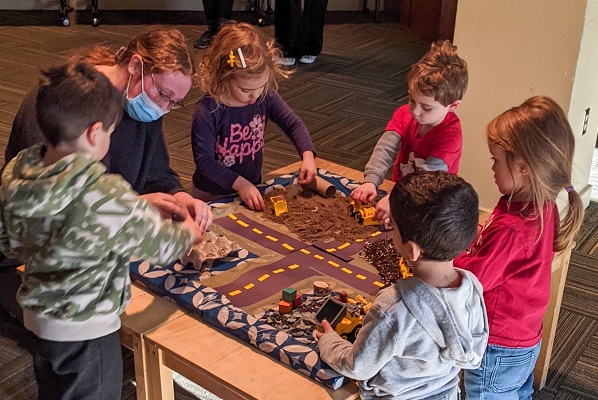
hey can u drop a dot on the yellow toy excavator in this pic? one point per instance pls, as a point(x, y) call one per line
point(345, 317)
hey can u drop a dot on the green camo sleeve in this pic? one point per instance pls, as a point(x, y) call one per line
point(133, 227)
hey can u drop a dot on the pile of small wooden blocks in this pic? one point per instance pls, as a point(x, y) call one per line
point(290, 300)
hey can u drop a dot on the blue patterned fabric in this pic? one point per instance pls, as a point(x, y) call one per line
point(343, 185)
point(182, 285)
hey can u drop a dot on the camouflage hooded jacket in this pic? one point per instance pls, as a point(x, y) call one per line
point(75, 229)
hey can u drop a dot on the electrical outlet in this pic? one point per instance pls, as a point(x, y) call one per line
point(586, 118)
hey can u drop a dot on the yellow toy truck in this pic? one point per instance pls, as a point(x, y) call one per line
point(279, 204)
point(345, 317)
point(363, 213)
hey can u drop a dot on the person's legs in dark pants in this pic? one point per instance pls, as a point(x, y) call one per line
point(216, 12)
point(88, 370)
point(222, 10)
point(11, 280)
point(287, 28)
point(314, 17)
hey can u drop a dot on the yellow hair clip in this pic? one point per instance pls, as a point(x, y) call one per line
point(231, 59)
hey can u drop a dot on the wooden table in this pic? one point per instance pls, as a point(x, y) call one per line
point(232, 369)
point(145, 312)
point(224, 365)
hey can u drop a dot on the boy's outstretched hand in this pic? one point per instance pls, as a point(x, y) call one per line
point(197, 209)
point(365, 193)
point(167, 205)
point(196, 231)
point(249, 194)
point(308, 168)
point(383, 209)
point(327, 329)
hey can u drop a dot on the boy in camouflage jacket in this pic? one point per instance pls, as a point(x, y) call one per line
point(75, 229)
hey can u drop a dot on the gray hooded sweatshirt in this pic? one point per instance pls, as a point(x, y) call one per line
point(76, 228)
point(414, 340)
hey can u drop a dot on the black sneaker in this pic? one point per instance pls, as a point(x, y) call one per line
point(205, 40)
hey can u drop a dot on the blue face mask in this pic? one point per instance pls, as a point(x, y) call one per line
point(142, 108)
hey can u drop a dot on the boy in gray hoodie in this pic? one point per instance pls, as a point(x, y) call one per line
point(420, 331)
point(75, 229)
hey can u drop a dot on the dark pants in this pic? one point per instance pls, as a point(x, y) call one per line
point(10, 280)
point(88, 370)
point(216, 10)
point(300, 35)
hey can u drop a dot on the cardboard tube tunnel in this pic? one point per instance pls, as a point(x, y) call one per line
point(322, 187)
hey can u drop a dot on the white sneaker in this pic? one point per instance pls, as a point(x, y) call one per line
point(287, 61)
point(307, 59)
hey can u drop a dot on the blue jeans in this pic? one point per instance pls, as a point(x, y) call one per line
point(505, 374)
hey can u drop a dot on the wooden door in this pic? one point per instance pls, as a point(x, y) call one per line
point(429, 19)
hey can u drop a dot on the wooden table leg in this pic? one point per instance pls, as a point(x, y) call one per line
point(139, 358)
point(159, 376)
point(560, 267)
point(136, 344)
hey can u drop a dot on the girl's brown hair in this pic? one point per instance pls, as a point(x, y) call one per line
point(217, 68)
point(539, 133)
point(162, 50)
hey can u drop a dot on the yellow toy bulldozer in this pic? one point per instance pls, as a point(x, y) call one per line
point(363, 213)
point(279, 204)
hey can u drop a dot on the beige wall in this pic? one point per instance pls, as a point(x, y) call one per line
point(515, 49)
point(585, 95)
point(333, 5)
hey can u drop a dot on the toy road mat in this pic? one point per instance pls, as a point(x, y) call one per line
point(240, 289)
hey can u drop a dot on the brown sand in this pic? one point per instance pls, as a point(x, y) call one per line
point(314, 218)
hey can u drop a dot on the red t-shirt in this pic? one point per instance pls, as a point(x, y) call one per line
point(444, 141)
point(513, 262)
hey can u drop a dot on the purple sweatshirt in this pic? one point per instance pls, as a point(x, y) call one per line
point(229, 141)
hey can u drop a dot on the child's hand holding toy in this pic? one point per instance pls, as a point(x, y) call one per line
point(365, 193)
point(383, 209)
point(327, 329)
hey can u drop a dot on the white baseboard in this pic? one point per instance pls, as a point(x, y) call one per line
point(168, 5)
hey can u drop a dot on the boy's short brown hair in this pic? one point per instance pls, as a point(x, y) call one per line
point(436, 210)
point(71, 98)
point(440, 74)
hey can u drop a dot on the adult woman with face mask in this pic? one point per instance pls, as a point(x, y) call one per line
point(154, 72)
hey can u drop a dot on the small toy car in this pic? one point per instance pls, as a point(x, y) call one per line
point(280, 205)
point(363, 213)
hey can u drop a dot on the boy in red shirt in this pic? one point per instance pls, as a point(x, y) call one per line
point(424, 134)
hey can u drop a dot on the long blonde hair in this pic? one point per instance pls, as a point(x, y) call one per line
point(161, 50)
point(247, 44)
point(539, 133)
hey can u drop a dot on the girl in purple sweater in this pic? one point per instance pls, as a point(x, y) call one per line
point(238, 75)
